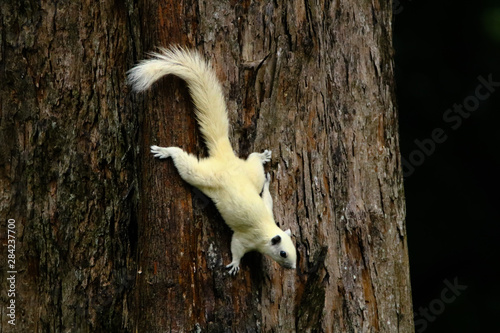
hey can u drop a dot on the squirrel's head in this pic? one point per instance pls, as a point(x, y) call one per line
point(282, 250)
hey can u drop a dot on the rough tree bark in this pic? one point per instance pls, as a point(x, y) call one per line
point(109, 239)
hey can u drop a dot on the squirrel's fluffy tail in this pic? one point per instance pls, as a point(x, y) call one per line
point(205, 90)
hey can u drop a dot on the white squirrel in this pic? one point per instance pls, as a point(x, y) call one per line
point(233, 184)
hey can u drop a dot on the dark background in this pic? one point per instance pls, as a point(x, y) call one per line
point(442, 47)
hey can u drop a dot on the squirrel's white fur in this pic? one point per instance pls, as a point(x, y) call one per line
point(232, 183)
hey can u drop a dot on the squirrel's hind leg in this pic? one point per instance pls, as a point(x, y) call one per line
point(188, 166)
point(255, 168)
point(266, 195)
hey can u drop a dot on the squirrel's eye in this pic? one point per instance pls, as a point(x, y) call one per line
point(283, 254)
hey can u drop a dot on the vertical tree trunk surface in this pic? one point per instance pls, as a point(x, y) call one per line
point(109, 239)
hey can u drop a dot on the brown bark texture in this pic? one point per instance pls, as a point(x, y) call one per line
point(108, 239)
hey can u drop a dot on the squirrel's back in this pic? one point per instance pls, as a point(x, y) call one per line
point(204, 87)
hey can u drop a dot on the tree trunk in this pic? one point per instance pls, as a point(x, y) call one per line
point(110, 239)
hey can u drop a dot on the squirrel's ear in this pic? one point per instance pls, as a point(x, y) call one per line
point(288, 232)
point(276, 239)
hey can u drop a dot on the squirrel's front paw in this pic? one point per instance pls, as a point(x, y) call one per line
point(235, 267)
point(160, 152)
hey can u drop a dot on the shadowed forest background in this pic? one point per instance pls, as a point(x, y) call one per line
point(452, 197)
